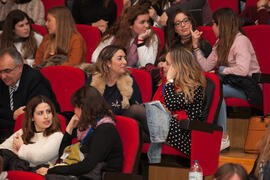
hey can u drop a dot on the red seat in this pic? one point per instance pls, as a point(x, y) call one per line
point(259, 36)
point(217, 4)
point(22, 175)
point(65, 80)
point(52, 3)
point(208, 34)
point(19, 121)
point(159, 32)
point(251, 3)
point(120, 7)
point(91, 36)
point(144, 82)
point(39, 29)
point(205, 144)
point(129, 132)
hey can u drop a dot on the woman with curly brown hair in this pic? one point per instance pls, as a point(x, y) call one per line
point(39, 139)
point(18, 33)
point(63, 38)
point(133, 32)
point(180, 24)
point(99, 139)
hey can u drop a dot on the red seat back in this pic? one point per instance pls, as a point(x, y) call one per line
point(39, 29)
point(144, 82)
point(120, 7)
point(259, 36)
point(23, 175)
point(208, 34)
point(217, 4)
point(19, 121)
point(160, 33)
point(91, 36)
point(216, 98)
point(251, 3)
point(52, 3)
point(129, 132)
point(65, 80)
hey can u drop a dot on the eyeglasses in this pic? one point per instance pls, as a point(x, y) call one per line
point(181, 23)
point(7, 71)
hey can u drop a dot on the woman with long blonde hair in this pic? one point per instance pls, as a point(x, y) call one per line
point(233, 54)
point(133, 32)
point(63, 38)
point(184, 90)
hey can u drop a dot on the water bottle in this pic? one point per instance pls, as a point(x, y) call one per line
point(195, 171)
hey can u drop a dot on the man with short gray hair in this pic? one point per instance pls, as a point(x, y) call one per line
point(18, 84)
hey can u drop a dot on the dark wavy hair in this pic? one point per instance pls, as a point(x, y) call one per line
point(28, 126)
point(121, 29)
point(227, 170)
point(172, 37)
point(93, 106)
point(7, 38)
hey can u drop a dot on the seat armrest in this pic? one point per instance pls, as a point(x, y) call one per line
point(120, 176)
point(261, 77)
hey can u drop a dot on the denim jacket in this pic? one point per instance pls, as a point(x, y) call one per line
point(158, 123)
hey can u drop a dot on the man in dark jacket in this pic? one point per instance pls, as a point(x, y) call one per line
point(18, 84)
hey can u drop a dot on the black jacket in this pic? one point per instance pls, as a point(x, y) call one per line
point(32, 83)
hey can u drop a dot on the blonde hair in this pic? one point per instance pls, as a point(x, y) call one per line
point(264, 148)
point(65, 29)
point(189, 75)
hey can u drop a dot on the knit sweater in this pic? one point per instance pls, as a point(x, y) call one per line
point(42, 151)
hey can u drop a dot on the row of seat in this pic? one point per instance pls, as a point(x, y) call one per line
point(129, 132)
point(66, 80)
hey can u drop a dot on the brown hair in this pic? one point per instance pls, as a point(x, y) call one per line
point(121, 29)
point(65, 29)
point(172, 37)
point(189, 74)
point(92, 104)
point(104, 57)
point(227, 170)
point(28, 126)
point(228, 25)
point(8, 37)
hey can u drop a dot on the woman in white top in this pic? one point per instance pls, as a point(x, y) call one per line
point(133, 32)
point(17, 31)
point(39, 139)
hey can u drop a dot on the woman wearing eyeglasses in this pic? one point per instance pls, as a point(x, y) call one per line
point(179, 29)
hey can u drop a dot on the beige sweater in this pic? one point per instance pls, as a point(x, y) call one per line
point(42, 151)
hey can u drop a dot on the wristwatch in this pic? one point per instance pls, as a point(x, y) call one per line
point(170, 80)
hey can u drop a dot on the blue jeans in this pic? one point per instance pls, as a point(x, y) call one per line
point(228, 91)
